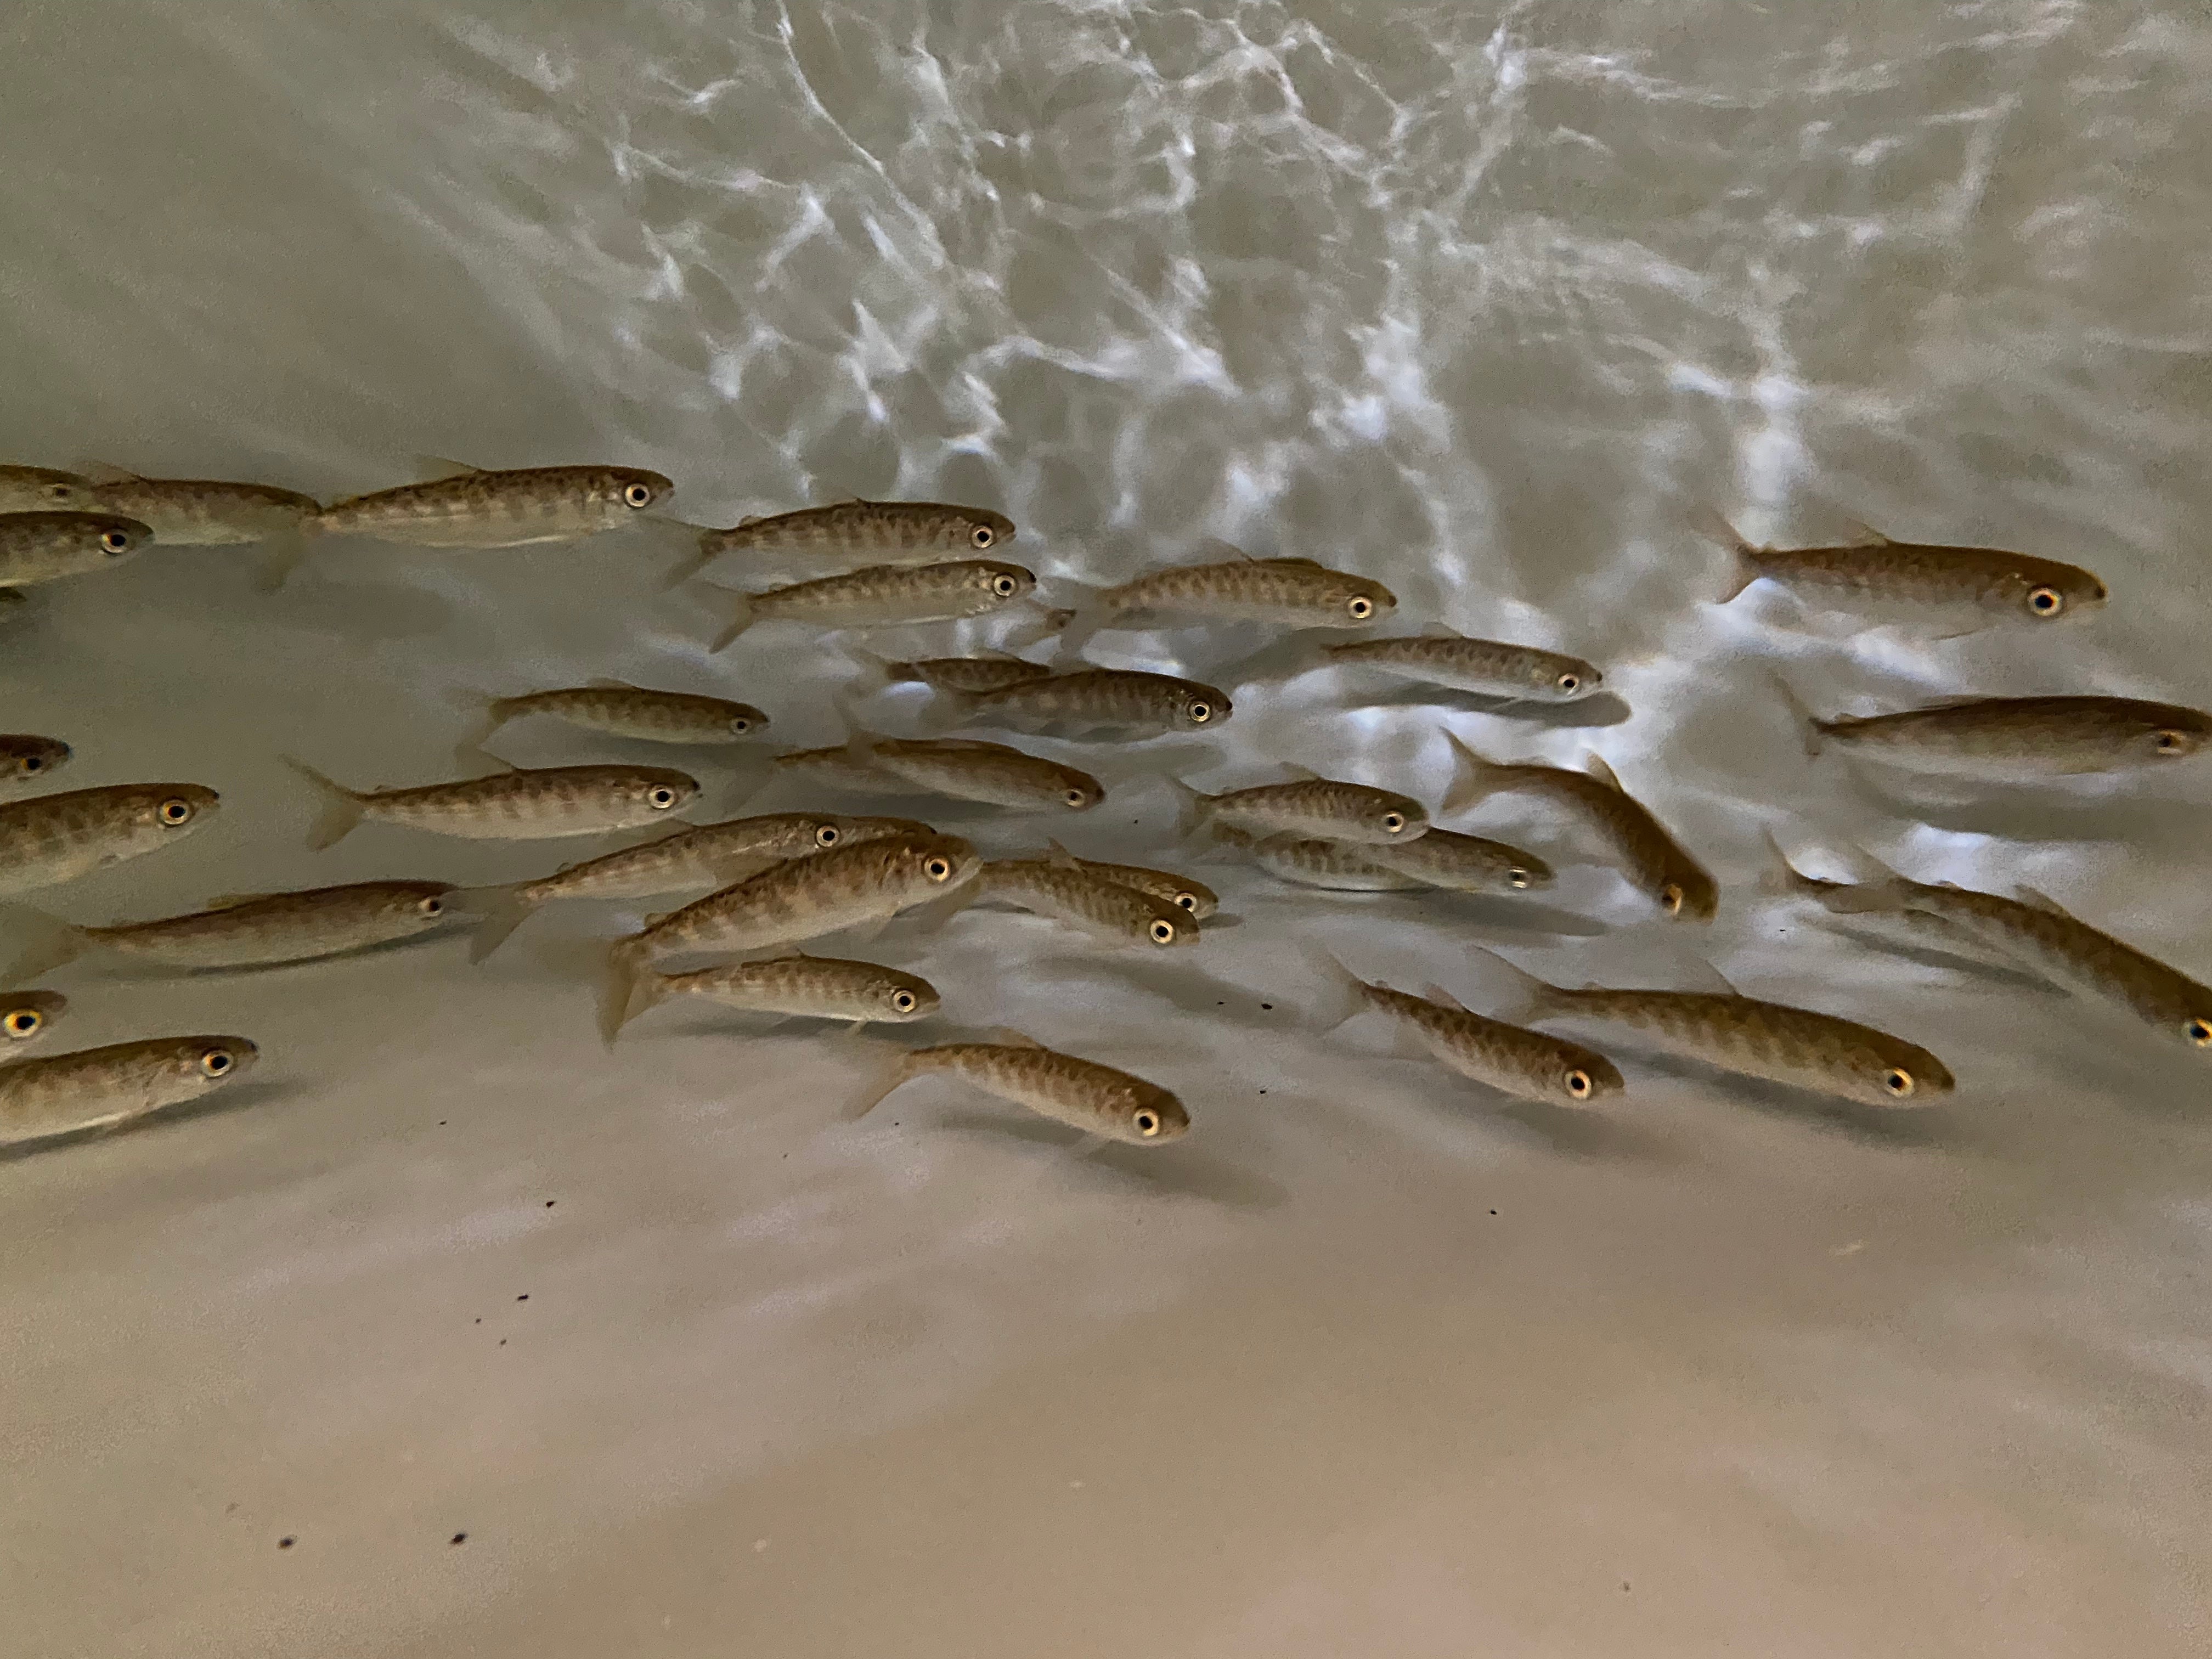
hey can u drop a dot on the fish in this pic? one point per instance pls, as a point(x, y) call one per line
point(2004, 587)
point(1654, 861)
point(1310, 805)
point(622, 710)
point(212, 513)
point(993, 672)
point(1800, 1047)
point(1081, 1093)
point(2026, 737)
point(43, 490)
point(1284, 593)
point(250, 931)
point(521, 804)
point(796, 984)
point(44, 547)
point(1179, 890)
point(1059, 886)
point(1337, 866)
point(1512, 1059)
point(25, 758)
point(707, 855)
point(51, 838)
point(883, 596)
point(97, 1088)
point(1086, 699)
point(1463, 864)
point(2035, 930)
point(793, 902)
point(876, 533)
point(27, 1016)
point(961, 768)
point(471, 507)
point(1490, 668)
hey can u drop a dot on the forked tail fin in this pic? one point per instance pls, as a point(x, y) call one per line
point(342, 809)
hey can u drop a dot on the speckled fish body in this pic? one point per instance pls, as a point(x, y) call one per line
point(27, 1016)
point(804, 987)
point(1651, 858)
point(1512, 1059)
point(1285, 593)
point(1879, 572)
point(959, 769)
point(1322, 809)
point(44, 547)
point(208, 511)
point(876, 532)
point(2022, 736)
point(2037, 931)
point(266, 928)
point(1488, 668)
point(1079, 1092)
point(1800, 1047)
point(524, 803)
point(95, 1088)
point(49, 839)
point(26, 760)
point(1180, 890)
point(885, 596)
point(43, 490)
point(1061, 888)
point(511, 509)
point(969, 674)
point(1127, 700)
point(1464, 863)
point(1337, 866)
point(622, 710)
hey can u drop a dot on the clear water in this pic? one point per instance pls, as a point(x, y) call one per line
point(1477, 299)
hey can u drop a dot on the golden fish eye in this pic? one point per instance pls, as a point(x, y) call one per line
point(938, 869)
point(1898, 1081)
point(982, 537)
point(1361, 607)
point(174, 811)
point(1200, 712)
point(115, 541)
point(1393, 823)
point(1187, 901)
point(1670, 899)
point(2047, 601)
point(825, 834)
point(30, 764)
point(1569, 683)
point(638, 495)
point(215, 1061)
point(1003, 586)
point(1076, 798)
point(660, 798)
point(2199, 1031)
point(1578, 1084)
point(1163, 932)
point(903, 1001)
point(432, 907)
point(2173, 742)
point(1516, 879)
point(24, 1022)
point(1147, 1123)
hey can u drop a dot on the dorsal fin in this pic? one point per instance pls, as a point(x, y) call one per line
point(1008, 1037)
point(106, 472)
point(750, 518)
point(1437, 630)
point(1867, 535)
point(428, 469)
point(2041, 900)
point(1061, 856)
point(1714, 980)
point(232, 901)
point(603, 683)
point(1220, 552)
point(1438, 994)
point(1302, 774)
point(1593, 764)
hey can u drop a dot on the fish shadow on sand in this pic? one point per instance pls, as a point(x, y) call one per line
point(1932, 955)
point(1441, 906)
point(1596, 1134)
point(126, 971)
point(244, 1097)
point(1172, 1169)
point(2027, 812)
point(356, 611)
point(1907, 1129)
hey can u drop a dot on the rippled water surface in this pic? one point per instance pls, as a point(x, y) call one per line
point(529, 1348)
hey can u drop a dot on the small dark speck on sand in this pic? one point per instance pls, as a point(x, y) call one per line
point(1268, 1007)
point(463, 1538)
point(286, 1543)
point(524, 1296)
point(1263, 1092)
point(548, 1203)
point(1493, 1213)
point(502, 1342)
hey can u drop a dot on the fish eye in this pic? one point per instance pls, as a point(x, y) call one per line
point(62, 492)
point(2199, 1031)
point(1393, 823)
point(638, 495)
point(1360, 607)
point(1517, 879)
point(1076, 798)
point(2047, 601)
point(660, 798)
point(1147, 1123)
point(1003, 586)
point(1578, 1084)
point(175, 811)
point(740, 725)
point(432, 907)
point(1200, 712)
point(33, 763)
point(826, 834)
point(1187, 901)
point(24, 1023)
point(938, 869)
point(1670, 899)
point(903, 1001)
point(215, 1061)
point(2173, 742)
point(982, 537)
point(1569, 683)
point(115, 541)
point(1898, 1081)
point(1163, 932)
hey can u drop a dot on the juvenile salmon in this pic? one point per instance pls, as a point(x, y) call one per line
point(470, 507)
point(799, 986)
point(95, 1088)
point(523, 804)
point(44, 547)
point(49, 839)
point(883, 595)
point(1488, 668)
point(1079, 1092)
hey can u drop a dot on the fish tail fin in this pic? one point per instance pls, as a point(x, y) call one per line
point(504, 910)
point(1474, 777)
point(1782, 880)
point(1809, 726)
point(626, 966)
point(742, 618)
point(947, 711)
point(1344, 993)
point(486, 715)
point(707, 549)
point(649, 990)
point(1085, 617)
point(1042, 624)
point(1193, 809)
point(898, 1068)
point(342, 809)
point(47, 942)
point(1713, 527)
point(286, 549)
point(1528, 997)
point(877, 670)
